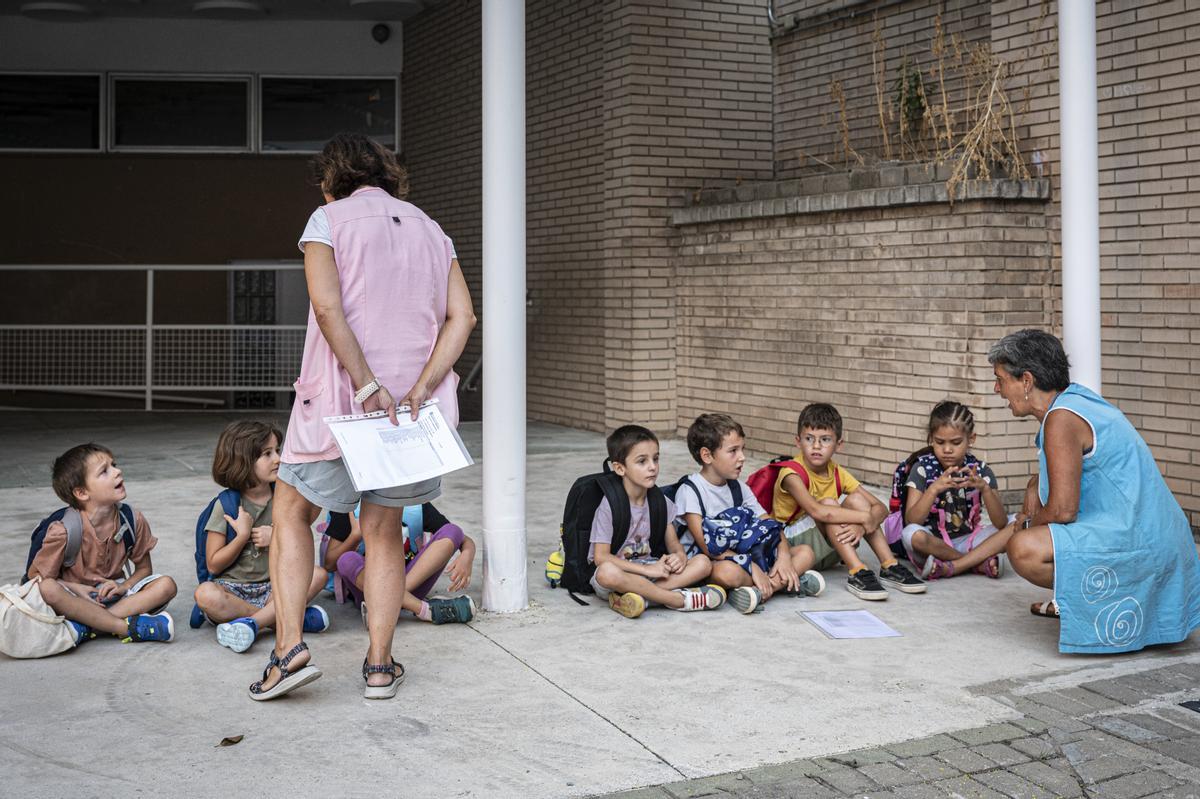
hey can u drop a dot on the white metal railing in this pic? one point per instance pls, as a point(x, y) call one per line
point(142, 359)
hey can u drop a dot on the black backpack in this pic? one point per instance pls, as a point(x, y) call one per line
point(73, 521)
point(582, 501)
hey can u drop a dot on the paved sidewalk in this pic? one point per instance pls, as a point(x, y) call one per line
point(1120, 738)
point(564, 701)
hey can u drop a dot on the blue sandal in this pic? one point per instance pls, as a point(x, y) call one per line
point(383, 691)
point(288, 680)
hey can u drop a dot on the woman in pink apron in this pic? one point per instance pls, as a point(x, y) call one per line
point(390, 314)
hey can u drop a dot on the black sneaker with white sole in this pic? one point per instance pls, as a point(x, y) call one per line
point(899, 577)
point(865, 585)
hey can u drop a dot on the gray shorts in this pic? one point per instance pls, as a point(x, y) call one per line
point(327, 484)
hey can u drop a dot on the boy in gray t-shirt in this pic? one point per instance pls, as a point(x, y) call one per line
point(649, 565)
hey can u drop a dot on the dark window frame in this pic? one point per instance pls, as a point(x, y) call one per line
point(102, 101)
point(190, 77)
point(258, 144)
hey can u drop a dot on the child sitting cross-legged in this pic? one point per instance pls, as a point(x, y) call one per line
point(237, 598)
point(829, 510)
point(90, 591)
point(723, 518)
point(947, 490)
point(649, 565)
point(425, 559)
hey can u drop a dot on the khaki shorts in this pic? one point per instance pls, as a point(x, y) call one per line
point(327, 484)
point(805, 532)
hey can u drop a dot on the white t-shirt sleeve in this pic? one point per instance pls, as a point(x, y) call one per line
point(453, 252)
point(317, 229)
point(687, 501)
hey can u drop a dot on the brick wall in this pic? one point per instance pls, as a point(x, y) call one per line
point(630, 106)
point(441, 135)
point(882, 309)
point(1148, 65)
point(687, 103)
point(815, 46)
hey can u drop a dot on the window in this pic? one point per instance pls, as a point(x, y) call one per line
point(151, 113)
point(301, 114)
point(50, 112)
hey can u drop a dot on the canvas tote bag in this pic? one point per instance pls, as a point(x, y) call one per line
point(29, 628)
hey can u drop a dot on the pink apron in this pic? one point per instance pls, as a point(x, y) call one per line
point(394, 265)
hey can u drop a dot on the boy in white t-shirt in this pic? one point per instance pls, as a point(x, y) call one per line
point(649, 564)
point(718, 442)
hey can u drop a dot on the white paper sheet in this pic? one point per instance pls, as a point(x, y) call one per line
point(379, 454)
point(849, 624)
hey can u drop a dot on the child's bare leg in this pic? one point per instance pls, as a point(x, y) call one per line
point(79, 609)
point(803, 558)
point(430, 562)
point(879, 545)
point(847, 552)
point(729, 575)
point(933, 546)
point(991, 546)
point(617, 580)
point(696, 569)
point(221, 605)
point(152, 597)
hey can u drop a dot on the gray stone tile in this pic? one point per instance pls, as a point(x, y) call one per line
point(1158, 725)
point(965, 760)
point(1031, 725)
point(1130, 731)
point(1090, 699)
point(1185, 751)
point(1105, 768)
point(924, 746)
point(967, 788)
point(1001, 754)
point(1055, 777)
point(1035, 748)
point(1048, 716)
point(719, 785)
point(784, 771)
point(1133, 786)
point(1068, 705)
point(993, 733)
point(889, 775)
point(930, 769)
point(799, 788)
point(1097, 743)
point(1118, 690)
point(1145, 682)
point(640, 793)
point(1011, 785)
point(846, 780)
point(862, 757)
point(919, 792)
point(1181, 716)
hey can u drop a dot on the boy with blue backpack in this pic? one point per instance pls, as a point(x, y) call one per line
point(79, 554)
point(233, 536)
point(723, 518)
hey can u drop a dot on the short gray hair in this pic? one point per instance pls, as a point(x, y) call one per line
point(1036, 352)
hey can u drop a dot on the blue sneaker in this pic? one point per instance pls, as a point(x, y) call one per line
point(238, 634)
point(150, 627)
point(82, 632)
point(198, 618)
point(316, 620)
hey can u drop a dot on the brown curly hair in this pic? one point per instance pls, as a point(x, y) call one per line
point(350, 161)
point(238, 448)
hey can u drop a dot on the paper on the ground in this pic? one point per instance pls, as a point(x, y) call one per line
point(849, 624)
point(379, 454)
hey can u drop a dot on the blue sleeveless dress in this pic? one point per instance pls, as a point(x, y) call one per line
point(1126, 573)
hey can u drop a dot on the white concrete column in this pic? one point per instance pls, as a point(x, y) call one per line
point(1078, 120)
point(504, 583)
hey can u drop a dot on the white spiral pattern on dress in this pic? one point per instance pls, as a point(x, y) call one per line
point(1119, 623)
point(1099, 582)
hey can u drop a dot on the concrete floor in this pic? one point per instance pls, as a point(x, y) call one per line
point(559, 700)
